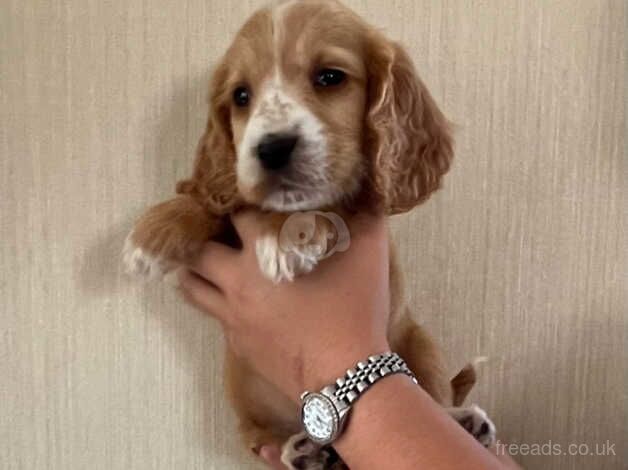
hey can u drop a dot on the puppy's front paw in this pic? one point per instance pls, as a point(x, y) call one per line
point(166, 236)
point(139, 262)
point(304, 239)
point(278, 264)
point(476, 422)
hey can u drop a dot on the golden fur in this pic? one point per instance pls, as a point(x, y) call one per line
point(388, 147)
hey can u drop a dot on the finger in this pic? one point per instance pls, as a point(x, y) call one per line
point(202, 294)
point(272, 455)
point(215, 263)
point(247, 224)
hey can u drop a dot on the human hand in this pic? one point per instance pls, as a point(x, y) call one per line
point(298, 335)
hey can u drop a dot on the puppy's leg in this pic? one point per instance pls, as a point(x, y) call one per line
point(423, 357)
point(265, 415)
point(167, 235)
point(476, 422)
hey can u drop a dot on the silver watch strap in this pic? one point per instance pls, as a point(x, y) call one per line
point(359, 379)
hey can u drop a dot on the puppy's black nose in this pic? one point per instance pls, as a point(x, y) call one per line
point(275, 150)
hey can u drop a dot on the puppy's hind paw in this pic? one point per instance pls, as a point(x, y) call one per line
point(476, 422)
point(300, 453)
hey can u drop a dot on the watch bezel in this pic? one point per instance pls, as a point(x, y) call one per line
point(307, 397)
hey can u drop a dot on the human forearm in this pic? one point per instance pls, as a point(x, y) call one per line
point(397, 425)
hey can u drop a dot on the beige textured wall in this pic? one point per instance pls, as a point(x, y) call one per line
point(522, 257)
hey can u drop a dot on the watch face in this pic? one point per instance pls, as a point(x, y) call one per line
point(320, 418)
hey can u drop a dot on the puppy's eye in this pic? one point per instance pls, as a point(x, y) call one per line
point(329, 77)
point(241, 96)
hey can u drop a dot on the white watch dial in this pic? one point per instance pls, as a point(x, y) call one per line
point(320, 418)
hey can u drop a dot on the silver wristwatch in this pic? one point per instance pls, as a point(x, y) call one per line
point(324, 414)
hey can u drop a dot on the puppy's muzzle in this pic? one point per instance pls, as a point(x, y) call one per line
point(275, 150)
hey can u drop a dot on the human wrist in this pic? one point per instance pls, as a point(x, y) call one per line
point(371, 412)
point(332, 362)
point(369, 407)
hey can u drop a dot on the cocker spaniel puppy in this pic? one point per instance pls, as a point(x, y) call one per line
point(310, 109)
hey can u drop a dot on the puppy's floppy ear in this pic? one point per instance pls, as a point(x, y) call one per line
point(407, 136)
point(213, 182)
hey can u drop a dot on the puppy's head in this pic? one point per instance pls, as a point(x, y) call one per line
point(311, 107)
